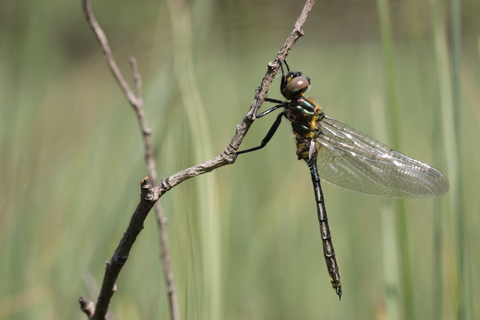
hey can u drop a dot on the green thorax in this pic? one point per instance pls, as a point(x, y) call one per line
point(304, 114)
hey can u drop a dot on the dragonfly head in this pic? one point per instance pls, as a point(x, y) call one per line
point(294, 85)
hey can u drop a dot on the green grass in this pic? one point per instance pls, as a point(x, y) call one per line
point(244, 239)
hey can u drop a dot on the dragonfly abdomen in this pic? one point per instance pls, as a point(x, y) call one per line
point(328, 251)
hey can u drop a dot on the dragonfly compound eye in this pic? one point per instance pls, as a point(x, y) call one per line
point(297, 85)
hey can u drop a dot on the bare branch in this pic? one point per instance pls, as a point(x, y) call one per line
point(136, 101)
point(115, 265)
point(273, 66)
point(165, 256)
point(136, 77)
point(228, 155)
point(102, 39)
point(149, 194)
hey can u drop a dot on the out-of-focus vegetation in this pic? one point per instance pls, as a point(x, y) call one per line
point(244, 239)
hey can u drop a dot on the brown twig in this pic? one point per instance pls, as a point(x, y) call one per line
point(228, 155)
point(136, 101)
point(150, 194)
point(114, 266)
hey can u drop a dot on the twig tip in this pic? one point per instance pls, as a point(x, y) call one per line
point(88, 307)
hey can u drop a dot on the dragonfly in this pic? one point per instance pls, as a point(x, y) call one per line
point(345, 157)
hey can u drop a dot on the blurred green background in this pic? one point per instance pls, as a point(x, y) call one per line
point(244, 239)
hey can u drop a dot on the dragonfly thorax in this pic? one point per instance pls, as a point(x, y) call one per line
point(304, 115)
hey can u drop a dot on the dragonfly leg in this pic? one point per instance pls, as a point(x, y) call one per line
point(286, 65)
point(264, 113)
point(269, 134)
point(274, 100)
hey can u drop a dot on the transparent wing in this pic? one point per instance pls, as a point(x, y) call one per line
point(352, 160)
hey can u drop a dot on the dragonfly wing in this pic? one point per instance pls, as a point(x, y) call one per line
point(352, 160)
